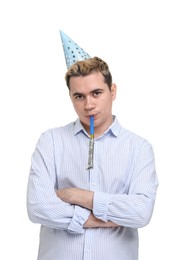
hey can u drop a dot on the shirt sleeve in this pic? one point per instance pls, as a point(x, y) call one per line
point(43, 205)
point(134, 208)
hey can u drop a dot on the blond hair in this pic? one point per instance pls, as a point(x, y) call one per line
point(87, 67)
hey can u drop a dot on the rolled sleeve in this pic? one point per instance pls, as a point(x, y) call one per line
point(100, 205)
point(79, 218)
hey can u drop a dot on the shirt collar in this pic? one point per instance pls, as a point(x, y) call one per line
point(114, 128)
point(78, 127)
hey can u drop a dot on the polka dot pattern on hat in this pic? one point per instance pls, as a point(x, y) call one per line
point(72, 51)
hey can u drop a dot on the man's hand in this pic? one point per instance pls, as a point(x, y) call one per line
point(83, 198)
point(94, 222)
point(76, 196)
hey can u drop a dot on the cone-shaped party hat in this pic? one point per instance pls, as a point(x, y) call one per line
point(72, 51)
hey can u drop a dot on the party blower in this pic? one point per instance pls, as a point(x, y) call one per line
point(91, 144)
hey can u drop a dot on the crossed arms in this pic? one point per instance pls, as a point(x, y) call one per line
point(83, 198)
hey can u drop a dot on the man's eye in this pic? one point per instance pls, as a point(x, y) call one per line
point(97, 93)
point(79, 97)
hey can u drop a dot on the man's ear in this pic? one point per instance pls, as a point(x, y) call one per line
point(113, 91)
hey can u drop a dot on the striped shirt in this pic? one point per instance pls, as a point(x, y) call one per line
point(124, 182)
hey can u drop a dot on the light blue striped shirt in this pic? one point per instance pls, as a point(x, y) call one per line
point(124, 182)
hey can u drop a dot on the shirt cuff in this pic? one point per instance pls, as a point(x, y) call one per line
point(79, 218)
point(100, 205)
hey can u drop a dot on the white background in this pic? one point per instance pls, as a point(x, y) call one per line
point(146, 46)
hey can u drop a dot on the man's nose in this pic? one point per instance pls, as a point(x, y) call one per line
point(89, 103)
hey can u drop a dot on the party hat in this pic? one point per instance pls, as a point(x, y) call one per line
point(72, 51)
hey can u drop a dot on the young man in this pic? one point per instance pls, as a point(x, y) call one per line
point(91, 213)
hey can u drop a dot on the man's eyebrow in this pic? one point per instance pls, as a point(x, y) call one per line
point(78, 94)
point(97, 89)
point(93, 91)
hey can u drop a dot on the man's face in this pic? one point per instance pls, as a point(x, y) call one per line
point(90, 95)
